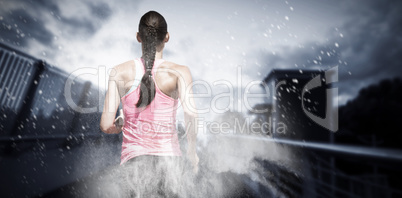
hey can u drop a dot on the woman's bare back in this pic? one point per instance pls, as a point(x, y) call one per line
point(166, 77)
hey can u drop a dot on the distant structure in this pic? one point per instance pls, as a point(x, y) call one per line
point(288, 105)
point(33, 100)
point(41, 134)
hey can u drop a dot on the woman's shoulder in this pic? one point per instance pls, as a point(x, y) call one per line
point(122, 67)
point(181, 69)
point(123, 70)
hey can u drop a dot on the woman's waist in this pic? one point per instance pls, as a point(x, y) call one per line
point(149, 131)
point(134, 125)
point(149, 140)
point(149, 117)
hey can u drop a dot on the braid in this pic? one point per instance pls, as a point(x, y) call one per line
point(150, 53)
point(151, 37)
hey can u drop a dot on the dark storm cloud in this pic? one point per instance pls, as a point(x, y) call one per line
point(27, 20)
point(311, 54)
point(78, 27)
point(375, 37)
point(100, 10)
point(18, 25)
point(43, 4)
point(371, 45)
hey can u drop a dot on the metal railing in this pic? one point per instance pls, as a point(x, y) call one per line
point(326, 178)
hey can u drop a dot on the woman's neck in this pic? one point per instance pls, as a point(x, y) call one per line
point(158, 55)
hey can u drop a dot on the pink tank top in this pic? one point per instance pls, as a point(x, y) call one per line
point(149, 130)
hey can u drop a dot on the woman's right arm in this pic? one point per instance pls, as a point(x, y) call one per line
point(190, 113)
point(112, 100)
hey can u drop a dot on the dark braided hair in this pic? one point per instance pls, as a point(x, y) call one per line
point(152, 30)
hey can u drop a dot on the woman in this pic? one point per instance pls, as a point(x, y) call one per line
point(149, 89)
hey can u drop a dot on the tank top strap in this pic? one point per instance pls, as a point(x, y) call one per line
point(139, 72)
point(139, 69)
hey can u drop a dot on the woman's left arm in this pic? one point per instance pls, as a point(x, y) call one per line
point(112, 100)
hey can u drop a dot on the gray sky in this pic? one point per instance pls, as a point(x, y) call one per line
point(216, 38)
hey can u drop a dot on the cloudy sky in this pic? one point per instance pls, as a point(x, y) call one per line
point(217, 39)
